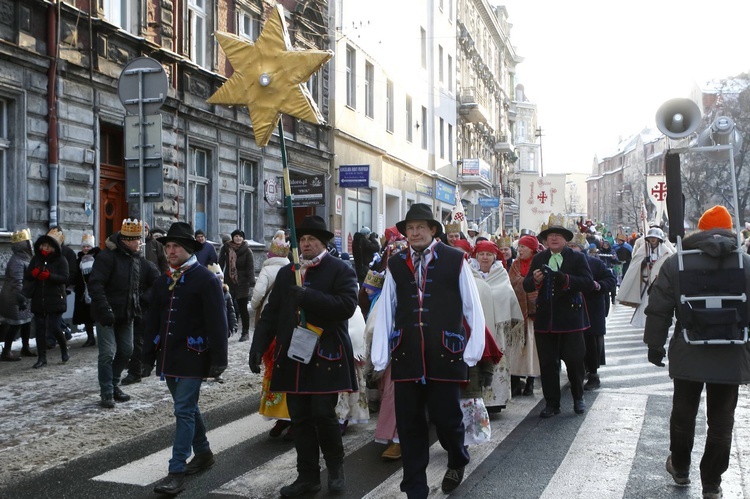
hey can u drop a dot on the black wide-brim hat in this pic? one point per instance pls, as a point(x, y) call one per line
point(182, 234)
point(315, 226)
point(420, 211)
point(555, 229)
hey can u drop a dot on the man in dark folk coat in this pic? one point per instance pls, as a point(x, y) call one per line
point(428, 295)
point(328, 298)
point(186, 336)
point(560, 276)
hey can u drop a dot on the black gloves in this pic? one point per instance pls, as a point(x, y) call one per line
point(486, 379)
point(215, 371)
point(558, 278)
point(656, 355)
point(297, 292)
point(106, 317)
point(254, 361)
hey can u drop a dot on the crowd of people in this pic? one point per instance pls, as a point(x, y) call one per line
point(427, 326)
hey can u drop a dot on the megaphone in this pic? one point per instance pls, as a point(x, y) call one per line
point(678, 118)
point(721, 132)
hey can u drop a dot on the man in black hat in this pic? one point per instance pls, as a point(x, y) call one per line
point(118, 279)
point(186, 327)
point(327, 298)
point(429, 291)
point(560, 276)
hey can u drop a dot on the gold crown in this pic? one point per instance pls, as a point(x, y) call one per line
point(558, 220)
point(279, 244)
point(374, 279)
point(57, 234)
point(87, 240)
point(132, 228)
point(504, 241)
point(580, 239)
point(453, 227)
point(21, 235)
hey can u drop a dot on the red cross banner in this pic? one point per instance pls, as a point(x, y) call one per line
point(656, 186)
point(458, 215)
point(540, 197)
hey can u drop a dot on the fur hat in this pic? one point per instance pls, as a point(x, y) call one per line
point(715, 218)
point(131, 229)
point(88, 240)
point(279, 245)
point(215, 269)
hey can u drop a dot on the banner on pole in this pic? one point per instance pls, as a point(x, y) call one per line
point(656, 185)
point(540, 197)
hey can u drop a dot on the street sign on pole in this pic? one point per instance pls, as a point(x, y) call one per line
point(142, 88)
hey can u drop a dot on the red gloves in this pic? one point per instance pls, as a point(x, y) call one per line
point(36, 271)
point(43, 275)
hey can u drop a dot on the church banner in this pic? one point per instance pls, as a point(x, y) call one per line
point(656, 185)
point(540, 197)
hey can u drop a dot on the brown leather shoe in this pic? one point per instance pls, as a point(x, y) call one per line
point(393, 452)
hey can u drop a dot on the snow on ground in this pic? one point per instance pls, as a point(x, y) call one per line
point(52, 415)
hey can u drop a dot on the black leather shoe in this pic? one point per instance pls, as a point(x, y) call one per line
point(130, 379)
point(172, 485)
point(119, 395)
point(579, 406)
point(452, 479)
point(592, 383)
point(529, 388)
point(548, 412)
point(40, 363)
point(26, 352)
point(336, 480)
point(298, 488)
point(200, 462)
point(107, 402)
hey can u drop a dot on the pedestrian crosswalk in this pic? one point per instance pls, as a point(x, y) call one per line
point(616, 449)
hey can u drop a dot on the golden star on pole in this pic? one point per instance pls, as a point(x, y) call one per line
point(269, 77)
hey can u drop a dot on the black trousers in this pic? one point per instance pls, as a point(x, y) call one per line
point(135, 364)
point(721, 401)
point(11, 330)
point(441, 400)
point(315, 428)
point(240, 307)
point(594, 348)
point(553, 348)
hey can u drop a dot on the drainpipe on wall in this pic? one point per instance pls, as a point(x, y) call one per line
point(52, 140)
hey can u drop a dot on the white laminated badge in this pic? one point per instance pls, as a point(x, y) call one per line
point(303, 345)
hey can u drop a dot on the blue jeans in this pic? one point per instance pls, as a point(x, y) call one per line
point(115, 348)
point(190, 430)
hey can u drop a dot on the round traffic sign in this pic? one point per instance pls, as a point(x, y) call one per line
point(143, 79)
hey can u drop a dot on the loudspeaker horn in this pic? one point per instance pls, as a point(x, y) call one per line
point(678, 118)
point(721, 132)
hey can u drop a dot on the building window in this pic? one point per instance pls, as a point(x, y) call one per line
point(198, 34)
point(440, 64)
point(450, 73)
point(249, 24)
point(389, 106)
point(409, 119)
point(442, 138)
point(423, 45)
point(369, 90)
point(450, 142)
point(248, 180)
point(351, 77)
point(199, 173)
point(122, 13)
point(424, 127)
point(4, 153)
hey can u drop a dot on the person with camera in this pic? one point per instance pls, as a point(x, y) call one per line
point(560, 276)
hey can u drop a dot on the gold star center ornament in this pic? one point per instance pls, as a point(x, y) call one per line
point(269, 77)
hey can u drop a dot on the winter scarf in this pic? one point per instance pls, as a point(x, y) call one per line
point(232, 262)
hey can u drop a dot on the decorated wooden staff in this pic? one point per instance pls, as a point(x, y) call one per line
point(269, 77)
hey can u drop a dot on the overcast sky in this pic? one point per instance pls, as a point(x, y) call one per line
point(599, 69)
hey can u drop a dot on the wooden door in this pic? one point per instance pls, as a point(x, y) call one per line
point(112, 193)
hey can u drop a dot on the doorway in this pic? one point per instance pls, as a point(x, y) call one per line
point(112, 191)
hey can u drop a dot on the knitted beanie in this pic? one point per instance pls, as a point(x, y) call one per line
point(715, 218)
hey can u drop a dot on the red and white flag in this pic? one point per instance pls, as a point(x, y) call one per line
point(458, 215)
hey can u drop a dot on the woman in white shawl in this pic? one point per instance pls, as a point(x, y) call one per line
point(507, 313)
point(643, 270)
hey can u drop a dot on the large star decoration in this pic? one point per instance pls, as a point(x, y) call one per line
point(269, 77)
